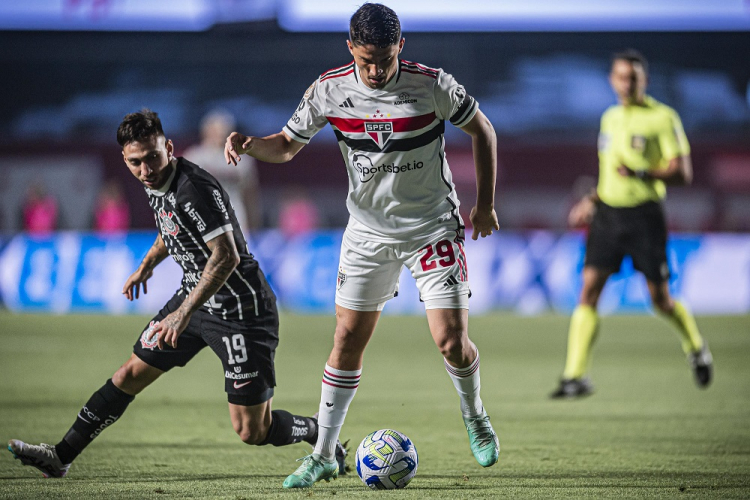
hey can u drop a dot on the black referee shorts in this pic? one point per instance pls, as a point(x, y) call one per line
point(246, 349)
point(639, 231)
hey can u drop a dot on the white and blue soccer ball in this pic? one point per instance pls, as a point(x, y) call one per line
point(386, 460)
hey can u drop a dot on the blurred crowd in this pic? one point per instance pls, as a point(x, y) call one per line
point(297, 213)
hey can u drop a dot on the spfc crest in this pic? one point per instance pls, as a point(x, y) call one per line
point(379, 132)
point(341, 279)
point(168, 224)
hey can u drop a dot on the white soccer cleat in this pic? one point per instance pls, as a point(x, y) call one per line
point(42, 456)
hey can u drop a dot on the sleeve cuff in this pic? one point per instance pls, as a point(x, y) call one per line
point(216, 232)
point(294, 135)
point(465, 113)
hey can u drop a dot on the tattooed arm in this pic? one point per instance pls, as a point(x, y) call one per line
point(223, 260)
point(156, 254)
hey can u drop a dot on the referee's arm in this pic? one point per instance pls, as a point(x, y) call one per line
point(679, 172)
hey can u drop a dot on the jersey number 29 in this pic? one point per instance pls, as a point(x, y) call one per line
point(444, 249)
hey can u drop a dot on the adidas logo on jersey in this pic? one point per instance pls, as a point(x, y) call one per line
point(451, 281)
point(347, 104)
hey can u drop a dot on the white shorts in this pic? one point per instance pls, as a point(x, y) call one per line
point(369, 270)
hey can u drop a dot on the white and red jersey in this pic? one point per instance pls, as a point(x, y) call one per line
point(392, 142)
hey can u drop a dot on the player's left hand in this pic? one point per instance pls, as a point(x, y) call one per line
point(484, 221)
point(625, 171)
point(168, 329)
point(235, 146)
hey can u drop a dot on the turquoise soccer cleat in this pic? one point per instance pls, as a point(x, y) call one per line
point(483, 440)
point(311, 471)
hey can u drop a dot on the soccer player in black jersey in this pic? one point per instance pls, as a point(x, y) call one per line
point(224, 302)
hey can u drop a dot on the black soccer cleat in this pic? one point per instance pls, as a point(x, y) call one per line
point(702, 364)
point(341, 453)
point(572, 388)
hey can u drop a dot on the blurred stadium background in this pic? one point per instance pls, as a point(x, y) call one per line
point(73, 68)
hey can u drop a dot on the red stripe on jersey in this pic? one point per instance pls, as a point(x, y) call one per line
point(462, 261)
point(336, 69)
point(338, 75)
point(357, 125)
point(417, 72)
point(421, 67)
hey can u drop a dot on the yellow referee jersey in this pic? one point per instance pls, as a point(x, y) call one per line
point(641, 137)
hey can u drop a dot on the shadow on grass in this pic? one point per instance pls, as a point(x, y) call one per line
point(435, 482)
point(642, 479)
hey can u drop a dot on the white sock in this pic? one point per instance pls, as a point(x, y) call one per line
point(466, 381)
point(337, 392)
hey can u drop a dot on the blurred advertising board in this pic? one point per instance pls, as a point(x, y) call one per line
point(527, 273)
point(130, 15)
point(416, 15)
point(528, 15)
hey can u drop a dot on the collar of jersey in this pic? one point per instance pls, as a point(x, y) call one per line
point(388, 86)
point(648, 102)
point(163, 190)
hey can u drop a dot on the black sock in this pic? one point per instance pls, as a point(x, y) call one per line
point(312, 437)
point(102, 409)
point(289, 429)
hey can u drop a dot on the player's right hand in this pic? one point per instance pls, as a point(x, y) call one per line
point(483, 221)
point(236, 145)
point(131, 289)
point(582, 213)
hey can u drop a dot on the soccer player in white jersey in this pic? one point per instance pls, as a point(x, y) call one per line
point(388, 115)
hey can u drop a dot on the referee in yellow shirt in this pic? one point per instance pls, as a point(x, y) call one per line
point(642, 149)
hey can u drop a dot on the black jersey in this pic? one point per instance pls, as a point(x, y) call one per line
point(191, 209)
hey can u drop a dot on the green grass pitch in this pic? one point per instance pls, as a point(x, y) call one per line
point(648, 432)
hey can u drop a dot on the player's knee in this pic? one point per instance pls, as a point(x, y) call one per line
point(593, 284)
point(662, 303)
point(129, 379)
point(251, 434)
point(124, 376)
point(252, 437)
point(450, 346)
point(347, 339)
point(590, 296)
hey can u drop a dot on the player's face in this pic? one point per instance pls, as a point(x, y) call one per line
point(628, 80)
point(149, 160)
point(376, 66)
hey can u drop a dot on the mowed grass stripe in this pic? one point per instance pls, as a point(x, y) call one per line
point(647, 432)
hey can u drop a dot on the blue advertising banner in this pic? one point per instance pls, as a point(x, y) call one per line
point(528, 273)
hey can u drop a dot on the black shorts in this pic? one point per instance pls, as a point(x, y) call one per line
point(639, 231)
point(246, 349)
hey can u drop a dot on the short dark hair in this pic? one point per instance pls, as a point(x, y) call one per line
point(375, 24)
point(632, 56)
point(138, 127)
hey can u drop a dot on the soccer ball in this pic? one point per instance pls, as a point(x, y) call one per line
point(386, 460)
